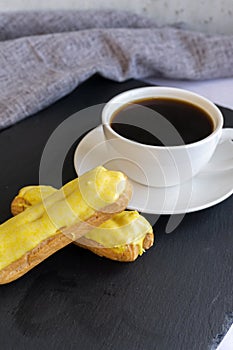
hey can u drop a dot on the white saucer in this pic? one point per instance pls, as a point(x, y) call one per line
point(211, 186)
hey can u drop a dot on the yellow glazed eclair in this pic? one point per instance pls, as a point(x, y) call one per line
point(123, 237)
point(60, 218)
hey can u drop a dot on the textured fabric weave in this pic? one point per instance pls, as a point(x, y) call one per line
point(45, 55)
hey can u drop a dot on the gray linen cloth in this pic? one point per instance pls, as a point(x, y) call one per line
point(45, 55)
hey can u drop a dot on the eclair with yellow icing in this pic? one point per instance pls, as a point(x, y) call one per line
point(59, 219)
point(123, 237)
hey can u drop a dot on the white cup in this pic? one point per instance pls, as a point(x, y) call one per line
point(161, 166)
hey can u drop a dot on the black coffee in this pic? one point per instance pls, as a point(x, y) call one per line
point(162, 122)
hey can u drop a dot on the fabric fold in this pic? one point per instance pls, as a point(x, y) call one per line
point(44, 56)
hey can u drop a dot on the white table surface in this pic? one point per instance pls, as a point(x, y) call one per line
point(220, 91)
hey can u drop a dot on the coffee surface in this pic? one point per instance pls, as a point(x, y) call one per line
point(162, 122)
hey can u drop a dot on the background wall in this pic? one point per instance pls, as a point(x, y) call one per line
point(213, 16)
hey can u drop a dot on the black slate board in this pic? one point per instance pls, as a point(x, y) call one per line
point(177, 296)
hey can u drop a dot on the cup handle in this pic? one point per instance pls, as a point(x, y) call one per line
point(227, 135)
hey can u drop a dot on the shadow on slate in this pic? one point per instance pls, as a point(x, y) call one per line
point(176, 297)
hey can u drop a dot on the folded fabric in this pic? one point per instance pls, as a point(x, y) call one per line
point(45, 55)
